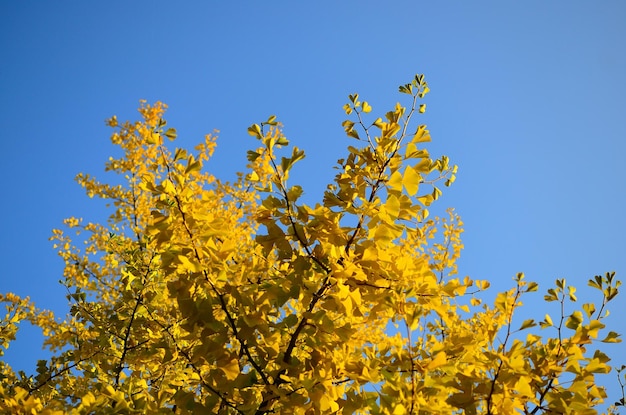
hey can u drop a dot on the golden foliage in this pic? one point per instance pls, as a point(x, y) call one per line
point(200, 296)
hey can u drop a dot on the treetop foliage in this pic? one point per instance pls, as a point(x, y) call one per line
point(204, 296)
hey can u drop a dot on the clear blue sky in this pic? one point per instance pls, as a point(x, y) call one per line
point(528, 98)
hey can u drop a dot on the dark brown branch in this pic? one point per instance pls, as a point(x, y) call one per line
point(125, 347)
point(52, 376)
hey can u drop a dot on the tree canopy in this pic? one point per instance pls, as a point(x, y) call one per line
point(205, 296)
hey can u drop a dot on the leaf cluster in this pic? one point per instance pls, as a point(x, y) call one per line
point(202, 296)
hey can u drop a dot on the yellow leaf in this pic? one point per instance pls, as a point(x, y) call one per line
point(424, 166)
point(395, 181)
point(384, 233)
point(153, 138)
point(253, 176)
point(393, 206)
point(168, 187)
point(596, 366)
point(426, 200)
point(327, 404)
point(411, 180)
point(399, 409)
point(370, 254)
point(189, 265)
point(422, 135)
point(87, 400)
point(255, 130)
point(548, 320)
point(612, 337)
point(439, 360)
point(522, 387)
point(231, 369)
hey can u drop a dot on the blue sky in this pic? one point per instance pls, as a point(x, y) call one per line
point(526, 97)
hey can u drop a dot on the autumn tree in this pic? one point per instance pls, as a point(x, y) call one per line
point(203, 296)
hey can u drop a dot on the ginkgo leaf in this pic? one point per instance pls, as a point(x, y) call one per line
point(396, 181)
point(255, 130)
point(421, 135)
point(527, 324)
point(231, 369)
point(612, 337)
point(392, 206)
point(189, 265)
point(171, 133)
point(548, 320)
point(439, 360)
point(523, 388)
point(411, 180)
